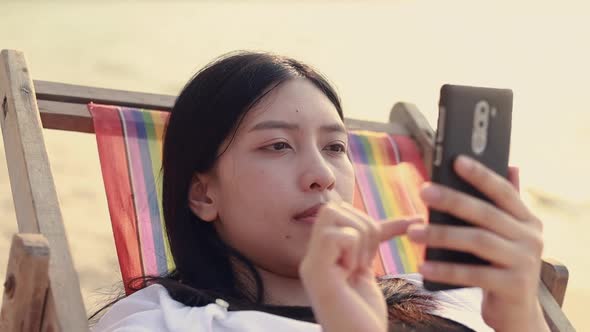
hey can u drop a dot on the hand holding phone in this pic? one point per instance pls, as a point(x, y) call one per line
point(484, 213)
point(475, 122)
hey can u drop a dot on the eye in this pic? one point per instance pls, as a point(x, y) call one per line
point(338, 148)
point(279, 146)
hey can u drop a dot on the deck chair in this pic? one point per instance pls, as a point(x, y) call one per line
point(42, 289)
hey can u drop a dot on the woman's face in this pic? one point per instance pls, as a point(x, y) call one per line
point(288, 156)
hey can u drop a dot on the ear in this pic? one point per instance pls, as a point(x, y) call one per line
point(200, 200)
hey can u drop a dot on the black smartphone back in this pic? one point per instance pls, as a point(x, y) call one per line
point(476, 122)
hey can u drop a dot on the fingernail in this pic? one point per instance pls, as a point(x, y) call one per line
point(430, 193)
point(465, 162)
point(417, 232)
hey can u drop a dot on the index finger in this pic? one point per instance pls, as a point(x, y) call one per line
point(396, 227)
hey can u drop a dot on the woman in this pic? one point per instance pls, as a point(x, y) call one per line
point(257, 188)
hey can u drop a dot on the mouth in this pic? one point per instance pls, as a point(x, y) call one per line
point(309, 215)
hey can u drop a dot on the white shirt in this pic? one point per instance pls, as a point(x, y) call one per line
point(152, 309)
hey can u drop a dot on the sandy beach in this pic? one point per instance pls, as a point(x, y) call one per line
point(376, 53)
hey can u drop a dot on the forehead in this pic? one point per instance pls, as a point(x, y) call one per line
point(297, 100)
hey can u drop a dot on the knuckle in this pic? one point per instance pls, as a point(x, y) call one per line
point(444, 270)
point(485, 213)
point(489, 212)
point(437, 234)
point(373, 232)
point(326, 214)
point(448, 198)
point(480, 212)
point(348, 234)
point(363, 227)
point(454, 272)
point(328, 236)
point(449, 271)
point(506, 189)
point(345, 237)
point(537, 223)
point(483, 239)
point(530, 262)
point(373, 228)
point(375, 224)
point(536, 243)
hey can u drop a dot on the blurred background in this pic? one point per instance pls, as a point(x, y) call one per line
point(375, 52)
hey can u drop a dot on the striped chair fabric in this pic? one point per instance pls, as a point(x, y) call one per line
point(388, 169)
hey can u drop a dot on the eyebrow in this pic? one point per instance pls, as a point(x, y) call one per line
point(274, 124)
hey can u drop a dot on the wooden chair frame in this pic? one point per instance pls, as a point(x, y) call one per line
point(42, 294)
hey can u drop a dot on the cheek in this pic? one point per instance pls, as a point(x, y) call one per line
point(255, 204)
point(254, 192)
point(345, 181)
point(263, 181)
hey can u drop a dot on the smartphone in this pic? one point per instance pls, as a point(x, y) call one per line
point(476, 122)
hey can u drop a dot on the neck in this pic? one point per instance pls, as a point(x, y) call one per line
point(279, 290)
point(284, 291)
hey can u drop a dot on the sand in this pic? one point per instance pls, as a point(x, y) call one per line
point(376, 53)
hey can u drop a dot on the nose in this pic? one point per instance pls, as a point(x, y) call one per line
point(317, 174)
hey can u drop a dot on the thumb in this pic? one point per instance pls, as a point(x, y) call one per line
point(395, 227)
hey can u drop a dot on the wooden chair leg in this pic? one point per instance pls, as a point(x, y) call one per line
point(27, 284)
point(554, 316)
point(33, 190)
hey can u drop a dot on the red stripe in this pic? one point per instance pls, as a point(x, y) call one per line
point(114, 166)
point(409, 152)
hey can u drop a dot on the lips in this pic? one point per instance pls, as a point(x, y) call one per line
point(309, 215)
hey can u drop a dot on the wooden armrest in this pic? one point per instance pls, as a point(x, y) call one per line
point(555, 276)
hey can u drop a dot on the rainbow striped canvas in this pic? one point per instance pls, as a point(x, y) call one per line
point(130, 148)
point(389, 171)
